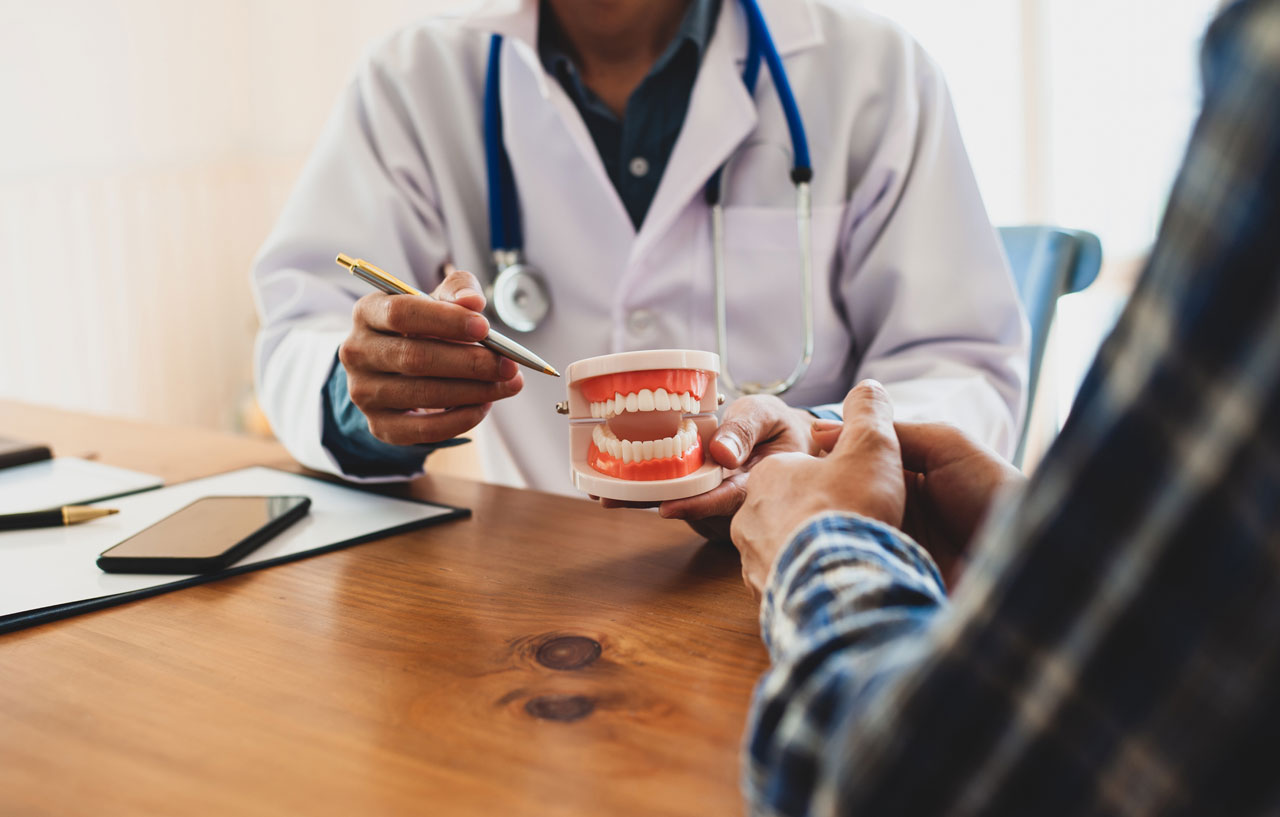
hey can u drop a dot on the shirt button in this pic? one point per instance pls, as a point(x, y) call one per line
point(640, 321)
point(639, 167)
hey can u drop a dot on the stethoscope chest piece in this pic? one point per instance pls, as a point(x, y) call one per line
point(519, 296)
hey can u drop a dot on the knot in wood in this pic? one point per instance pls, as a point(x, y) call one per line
point(562, 708)
point(568, 652)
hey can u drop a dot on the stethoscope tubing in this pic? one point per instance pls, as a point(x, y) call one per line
point(782, 84)
point(505, 231)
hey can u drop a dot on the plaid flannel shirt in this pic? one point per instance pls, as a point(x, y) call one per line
point(1114, 648)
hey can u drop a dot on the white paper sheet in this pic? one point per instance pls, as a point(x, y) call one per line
point(66, 481)
point(52, 566)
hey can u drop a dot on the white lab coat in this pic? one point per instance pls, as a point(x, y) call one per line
point(911, 288)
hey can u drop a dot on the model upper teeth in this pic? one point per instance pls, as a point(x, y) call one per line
point(678, 445)
point(644, 400)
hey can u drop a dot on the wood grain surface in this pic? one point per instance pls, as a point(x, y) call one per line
point(545, 657)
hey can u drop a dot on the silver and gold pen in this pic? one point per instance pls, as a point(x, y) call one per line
point(496, 341)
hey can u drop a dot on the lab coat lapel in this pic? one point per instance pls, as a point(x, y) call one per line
point(721, 115)
point(520, 68)
point(794, 25)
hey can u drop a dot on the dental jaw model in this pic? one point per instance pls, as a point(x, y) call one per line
point(640, 423)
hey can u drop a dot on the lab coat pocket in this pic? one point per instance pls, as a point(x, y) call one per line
point(763, 279)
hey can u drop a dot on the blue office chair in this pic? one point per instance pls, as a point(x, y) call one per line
point(1047, 263)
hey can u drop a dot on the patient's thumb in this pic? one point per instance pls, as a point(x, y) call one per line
point(868, 414)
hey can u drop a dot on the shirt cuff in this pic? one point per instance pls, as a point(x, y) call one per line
point(839, 564)
point(347, 437)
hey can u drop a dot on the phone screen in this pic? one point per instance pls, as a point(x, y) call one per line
point(206, 528)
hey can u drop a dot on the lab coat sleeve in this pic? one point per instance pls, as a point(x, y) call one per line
point(366, 191)
point(928, 292)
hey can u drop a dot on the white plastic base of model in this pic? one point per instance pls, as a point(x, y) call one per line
point(589, 480)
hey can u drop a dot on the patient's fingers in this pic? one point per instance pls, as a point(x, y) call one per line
point(868, 418)
point(825, 433)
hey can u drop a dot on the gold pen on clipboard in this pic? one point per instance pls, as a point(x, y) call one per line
point(495, 341)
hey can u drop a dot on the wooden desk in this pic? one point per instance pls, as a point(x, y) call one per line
point(412, 675)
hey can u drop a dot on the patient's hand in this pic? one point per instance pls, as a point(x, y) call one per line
point(406, 352)
point(951, 482)
point(754, 427)
point(863, 474)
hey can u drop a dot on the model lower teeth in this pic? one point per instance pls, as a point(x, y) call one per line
point(679, 445)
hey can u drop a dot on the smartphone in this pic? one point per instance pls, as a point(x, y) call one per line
point(209, 534)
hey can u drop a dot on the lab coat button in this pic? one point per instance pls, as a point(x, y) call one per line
point(639, 167)
point(640, 322)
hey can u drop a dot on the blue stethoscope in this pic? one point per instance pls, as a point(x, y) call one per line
point(519, 295)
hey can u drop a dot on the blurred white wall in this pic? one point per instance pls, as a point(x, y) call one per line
point(1075, 112)
point(149, 144)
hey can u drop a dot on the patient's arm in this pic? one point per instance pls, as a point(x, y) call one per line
point(1113, 647)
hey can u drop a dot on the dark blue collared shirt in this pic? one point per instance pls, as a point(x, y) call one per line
point(635, 148)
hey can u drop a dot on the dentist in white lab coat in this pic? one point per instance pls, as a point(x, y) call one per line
point(911, 287)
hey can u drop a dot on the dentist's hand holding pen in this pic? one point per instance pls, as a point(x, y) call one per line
point(407, 353)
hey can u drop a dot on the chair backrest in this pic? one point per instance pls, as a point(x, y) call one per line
point(1047, 263)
